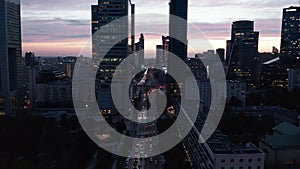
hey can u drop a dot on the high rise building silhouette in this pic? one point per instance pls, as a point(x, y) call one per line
point(105, 12)
point(242, 51)
point(178, 28)
point(290, 32)
point(10, 57)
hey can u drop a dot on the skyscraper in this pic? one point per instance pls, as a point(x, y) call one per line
point(178, 28)
point(242, 51)
point(103, 13)
point(221, 54)
point(139, 48)
point(31, 71)
point(290, 32)
point(177, 42)
point(10, 56)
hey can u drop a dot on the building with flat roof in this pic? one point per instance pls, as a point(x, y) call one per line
point(282, 148)
point(220, 153)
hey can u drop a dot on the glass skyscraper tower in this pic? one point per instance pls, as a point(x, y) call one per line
point(242, 51)
point(105, 12)
point(10, 56)
point(290, 32)
point(178, 28)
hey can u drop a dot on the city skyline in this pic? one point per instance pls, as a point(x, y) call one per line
point(52, 38)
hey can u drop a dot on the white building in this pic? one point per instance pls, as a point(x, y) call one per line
point(220, 153)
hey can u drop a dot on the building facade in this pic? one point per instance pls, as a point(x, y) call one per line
point(282, 148)
point(238, 90)
point(242, 51)
point(294, 79)
point(105, 12)
point(290, 32)
point(220, 153)
point(11, 82)
point(178, 28)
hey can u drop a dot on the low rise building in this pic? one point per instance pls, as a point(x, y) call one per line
point(282, 149)
point(220, 153)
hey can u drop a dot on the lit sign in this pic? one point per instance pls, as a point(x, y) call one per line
point(291, 10)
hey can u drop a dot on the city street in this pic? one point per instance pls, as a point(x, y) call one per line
point(139, 158)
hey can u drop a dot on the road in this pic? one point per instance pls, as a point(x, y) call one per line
point(139, 158)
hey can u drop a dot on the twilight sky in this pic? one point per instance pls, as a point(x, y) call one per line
point(59, 28)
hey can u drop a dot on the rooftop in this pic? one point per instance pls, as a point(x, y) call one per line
point(220, 144)
point(283, 141)
point(286, 128)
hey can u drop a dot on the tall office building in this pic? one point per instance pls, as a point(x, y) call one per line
point(221, 53)
point(103, 13)
point(139, 48)
point(178, 28)
point(177, 42)
point(290, 32)
point(242, 51)
point(31, 71)
point(10, 57)
point(159, 56)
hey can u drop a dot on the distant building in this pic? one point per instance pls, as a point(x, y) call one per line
point(279, 114)
point(282, 149)
point(54, 93)
point(294, 79)
point(262, 73)
point(205, 92)
point(274, 73)
point(139, 48)
point(165, 43)
point(29, 59)
point(31, 74)
point(197, 68)
point(290, 33)
point(162, 53)
point(242, 51)
point(159, 56)
point(237, 90)
point(11, 78)
point(221, 54)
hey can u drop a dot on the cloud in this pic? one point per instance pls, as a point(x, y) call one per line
point(55, 29)
point(68, 22)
